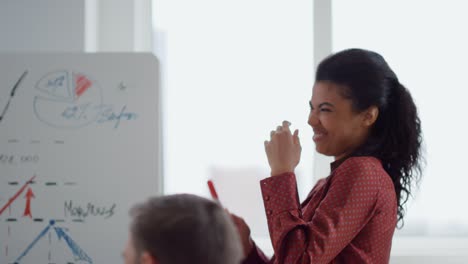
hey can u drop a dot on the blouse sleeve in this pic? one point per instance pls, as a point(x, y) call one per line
point(347, 207)
point(256, 256)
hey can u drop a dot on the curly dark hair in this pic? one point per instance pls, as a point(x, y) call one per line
point(396, 137)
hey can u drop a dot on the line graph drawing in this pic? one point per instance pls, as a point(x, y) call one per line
point(20, 191)
point(56, 236)
point(78, 253)
point(12, 94)
point(24, 238)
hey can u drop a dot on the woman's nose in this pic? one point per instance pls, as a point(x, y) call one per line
point(313, 119)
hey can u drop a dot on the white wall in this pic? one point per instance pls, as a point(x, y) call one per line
point(42, 25)
point(75, 26)
point(428, 260)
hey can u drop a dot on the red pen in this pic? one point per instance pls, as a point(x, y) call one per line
point(212, 190)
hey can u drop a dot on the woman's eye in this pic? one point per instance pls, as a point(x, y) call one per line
point(325, 110)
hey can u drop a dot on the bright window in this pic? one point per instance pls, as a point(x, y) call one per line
point(425, 44)
point(231, 72)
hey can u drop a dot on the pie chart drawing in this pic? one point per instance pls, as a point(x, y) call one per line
point(67, 99)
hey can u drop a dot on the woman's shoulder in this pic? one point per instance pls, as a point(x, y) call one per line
point(365, 173)
point(362, 161)
point(364, 166)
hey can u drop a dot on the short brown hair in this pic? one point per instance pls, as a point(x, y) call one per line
point(185, 228)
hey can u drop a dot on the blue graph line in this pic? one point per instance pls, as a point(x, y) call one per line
point(78, 253)
point(43, 233)
point(76, 250)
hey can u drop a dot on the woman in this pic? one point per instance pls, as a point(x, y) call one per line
point(363, 117)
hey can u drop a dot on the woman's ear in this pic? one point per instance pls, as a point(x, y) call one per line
point(370, 116)
point(146, 258)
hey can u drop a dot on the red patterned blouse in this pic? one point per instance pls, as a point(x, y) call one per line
point(348, 217)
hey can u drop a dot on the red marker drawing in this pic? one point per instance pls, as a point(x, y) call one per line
point(12, 199)
point(28, 196)
point(82, 84)
point(212, 190)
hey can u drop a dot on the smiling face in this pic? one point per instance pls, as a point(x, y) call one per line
point(338, 129)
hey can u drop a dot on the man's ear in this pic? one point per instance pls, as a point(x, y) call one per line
point(370, 116)
point(146, 258)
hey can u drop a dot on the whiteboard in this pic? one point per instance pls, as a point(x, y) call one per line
point(79, 145)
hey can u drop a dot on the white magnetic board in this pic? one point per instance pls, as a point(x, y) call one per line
point(79, 145)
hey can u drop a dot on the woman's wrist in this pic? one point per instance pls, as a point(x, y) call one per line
point(278, 172)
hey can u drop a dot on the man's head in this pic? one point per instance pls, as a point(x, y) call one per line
point(181, 228)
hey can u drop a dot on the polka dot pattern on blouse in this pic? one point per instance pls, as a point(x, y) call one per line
point(349, 217)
